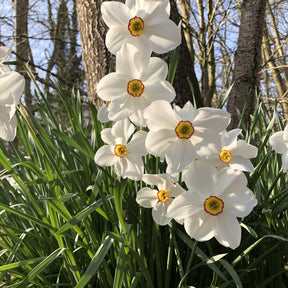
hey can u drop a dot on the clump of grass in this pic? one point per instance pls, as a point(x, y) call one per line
point(64, 222)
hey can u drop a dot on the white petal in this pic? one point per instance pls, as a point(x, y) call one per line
point(157, 69)
point(137, 143)
point(200, 226)
point(157, 180)
point(147, 197)
point(102, 114)
point(186, 204)
point(116, 37)
point(158, 142)
point(105, 156)
point(123, 129)
point(229, 137)
point(8, 128)
point(112, 19)
point(285, 162)
point(186, 113)
point(285, 136)
point(164, 36)
point(245, 150)
point(138, 118)
point(107, 136)
point(4, 53)
point(159, 213)
point(159, 115)
point(239, 202)
point(112, 86)
point(134, 168)
point(210, 118)
point(126, 60)
point(228, 231)
point(277, 142)
point(199, 179)
point(179, 155)
point(226, 179)
point(242, 164)
point(11, 87)
point(161, 90)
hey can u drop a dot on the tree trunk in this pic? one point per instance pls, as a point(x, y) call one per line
point(22, 45)
point(247, 60)
point(96, 58)
point(185, 70)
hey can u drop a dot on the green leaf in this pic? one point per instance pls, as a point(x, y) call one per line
point(95, 262)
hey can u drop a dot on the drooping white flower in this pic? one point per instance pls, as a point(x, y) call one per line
point(234, 153)
point(181, 135)
point(11, 88)
point(279, 142)
point(102, 114)
point(4, 55)
point(124, 155)
point(214, 200)
point(145, 24)
point(158, 199)
point(139, 80)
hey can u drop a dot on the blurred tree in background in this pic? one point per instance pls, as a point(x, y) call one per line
point(213, 43)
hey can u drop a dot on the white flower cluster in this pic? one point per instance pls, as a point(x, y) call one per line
point(193, 142)
point(11, 88)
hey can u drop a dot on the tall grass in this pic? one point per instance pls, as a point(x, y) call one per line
point(64, 222)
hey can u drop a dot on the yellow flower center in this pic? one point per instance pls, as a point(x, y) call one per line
point(213, 205)
point(120, 150)
point(163, 196)
point(184, 130)
point(136, 26)
point(135, 88)
point(225, 156)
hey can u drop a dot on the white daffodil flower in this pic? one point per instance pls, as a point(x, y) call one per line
point(102, 114)
point(181, 135)
point(279, 142)
point(144, 24)
point(11, 88)
point(214, 200)
point(124, 155)
point(234, 153)
point(159, 199)
point(139, 79)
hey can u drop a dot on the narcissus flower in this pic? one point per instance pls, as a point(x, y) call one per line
point(139, 80)
point(214, 200)
point(181, 135)
point(145, 24)
point(102, 114)
point(11, 88)
point(159, 199)
point(124, 155)
point(234, 153)
point(279, 142)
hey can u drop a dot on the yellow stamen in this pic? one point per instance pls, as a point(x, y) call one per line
point(184, 129)
point(135, 88)
point(225, 156)
point(213, 205)
point(163, 196)
point(136, 26)
point(120, 150)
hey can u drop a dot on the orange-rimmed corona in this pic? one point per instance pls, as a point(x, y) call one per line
point(213, 205)
point(136, 26)
point(225, 156)
point(184, 129)
point(135, 88)
point(163, 196)
point(120, 150)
